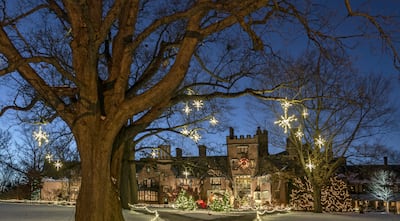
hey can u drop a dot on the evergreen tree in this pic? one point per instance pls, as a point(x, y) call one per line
point(185, 202)
point(221, 204)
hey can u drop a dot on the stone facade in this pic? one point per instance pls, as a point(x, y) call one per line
point(243, 173)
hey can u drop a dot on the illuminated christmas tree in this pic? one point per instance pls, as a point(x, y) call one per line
point(185, 202)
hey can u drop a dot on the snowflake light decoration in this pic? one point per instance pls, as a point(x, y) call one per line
point(305, 113)
point(58, 164)
point(285, 120)
point(309, 165)
point(41, 136)
point(195, 136)
point(213, 121)
point(198, 104)
point(187, 109)
point(49, 157)
point(185, 131)
point(299, 134)
point(186, 173)
point(319, 142)
point(154, 153)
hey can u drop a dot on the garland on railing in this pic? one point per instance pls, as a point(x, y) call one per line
point(155, 212)
point(274, 210)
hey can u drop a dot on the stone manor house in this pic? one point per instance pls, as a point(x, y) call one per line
point(248, 173)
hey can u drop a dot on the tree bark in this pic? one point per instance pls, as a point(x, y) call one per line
point(317, 198)
point(133, 183)
point(98, 198)
point(125, 189)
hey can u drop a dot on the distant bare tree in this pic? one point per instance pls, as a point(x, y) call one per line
point(330, 108)
point(381, 186)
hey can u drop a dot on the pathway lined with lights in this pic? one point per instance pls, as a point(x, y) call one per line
point(47, 212)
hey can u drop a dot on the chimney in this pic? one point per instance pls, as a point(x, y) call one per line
point(164, 152)
point(202, 151)
point(385, 161)
point(231, 133)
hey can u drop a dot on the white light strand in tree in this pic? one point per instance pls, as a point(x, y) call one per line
point(41, 136)
point(285, 120)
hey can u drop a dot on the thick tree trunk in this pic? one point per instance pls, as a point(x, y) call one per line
point(128, 178)
point(98, 197)
point(317, 199)
point(133, 183)
point(124, 186)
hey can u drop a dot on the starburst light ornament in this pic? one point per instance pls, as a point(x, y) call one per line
point(58, 164)
point(213, 121)
point(299, 134)
point(49, 157)
point(185, 131)
point(309, 165)
point(187, 109)
point(195, 136)
point(319, 141)
point(305, 113)
point(198, 104)
point(285, 120)
point(154, 153)
point(40, 136)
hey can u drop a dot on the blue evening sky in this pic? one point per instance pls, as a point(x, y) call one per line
point(368, 58)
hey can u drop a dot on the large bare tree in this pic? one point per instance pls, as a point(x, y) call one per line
point(101, 64)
